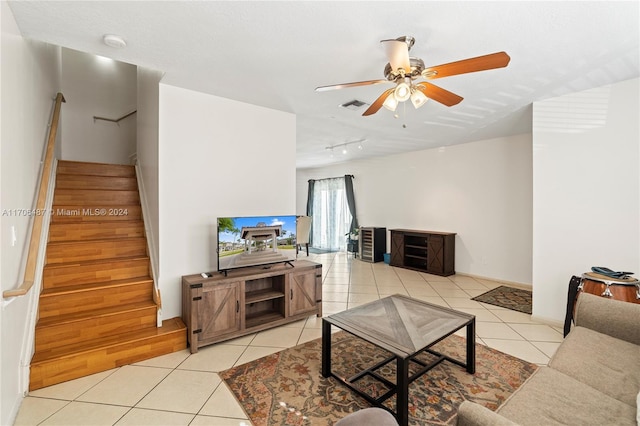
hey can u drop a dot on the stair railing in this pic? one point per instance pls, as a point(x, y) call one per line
point(114, 120)
point(39, 212)
point(151, 246)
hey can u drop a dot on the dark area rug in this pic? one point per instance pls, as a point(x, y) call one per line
point(286, 388)
point(507, 297)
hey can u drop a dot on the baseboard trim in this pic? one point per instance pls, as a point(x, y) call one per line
point(522, 286)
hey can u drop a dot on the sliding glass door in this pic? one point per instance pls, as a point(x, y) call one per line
point(331, 215)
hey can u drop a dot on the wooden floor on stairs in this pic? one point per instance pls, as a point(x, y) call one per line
point(96, 308)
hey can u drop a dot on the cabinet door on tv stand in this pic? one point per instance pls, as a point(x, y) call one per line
point(302, 292)
point(218, 310)
point(435, 254)
point(441, 254)
point(397, 249)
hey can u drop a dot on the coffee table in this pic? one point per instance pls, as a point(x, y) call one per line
point(405, 327)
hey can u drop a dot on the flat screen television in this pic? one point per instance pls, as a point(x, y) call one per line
point(245, 241)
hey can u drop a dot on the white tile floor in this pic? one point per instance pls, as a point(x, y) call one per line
point(185, 389)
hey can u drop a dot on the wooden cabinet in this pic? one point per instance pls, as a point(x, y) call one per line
point(248, 300)
point(304, 288)
point(428, 251)
point(373, 244)
point(224, 302)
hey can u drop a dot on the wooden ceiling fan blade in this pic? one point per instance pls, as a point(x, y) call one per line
point(377, 104)
point(480, 63)
point(354, 84)
point(439, 94)
point(398, 54)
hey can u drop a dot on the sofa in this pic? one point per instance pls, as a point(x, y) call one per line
point(592, 379)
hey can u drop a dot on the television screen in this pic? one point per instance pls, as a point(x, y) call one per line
point(255, 240)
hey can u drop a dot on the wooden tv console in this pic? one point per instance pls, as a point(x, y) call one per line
point(249, 300)
point(426, 251)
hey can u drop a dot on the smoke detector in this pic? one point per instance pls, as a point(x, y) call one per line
point(115, 41)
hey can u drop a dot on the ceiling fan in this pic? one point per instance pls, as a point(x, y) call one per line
point(404, 70)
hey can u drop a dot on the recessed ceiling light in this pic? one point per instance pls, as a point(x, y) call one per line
point(114, 41)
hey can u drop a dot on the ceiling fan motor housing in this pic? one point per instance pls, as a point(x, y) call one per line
point(417, 66)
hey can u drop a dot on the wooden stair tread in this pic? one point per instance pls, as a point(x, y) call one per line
point(88, 198)
point(93, 286)
point(98, 230)
point(91, 271)
point(89, 181)
point(95, 169)
point(94, 262)
point(98, 222)
point(66, 213)
point(79, 251)
point(173, 325)
point(92, 242)
point(102, 222)
point(103, 312)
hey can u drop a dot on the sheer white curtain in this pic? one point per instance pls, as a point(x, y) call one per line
point(331, 215)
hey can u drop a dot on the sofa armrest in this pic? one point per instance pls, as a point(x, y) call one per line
point(612, 317)
point(472, 414)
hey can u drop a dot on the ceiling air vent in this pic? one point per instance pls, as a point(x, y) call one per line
point(353, 105)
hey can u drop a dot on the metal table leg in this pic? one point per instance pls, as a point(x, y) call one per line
point(326, 348)
point(471, 347)
point(402, 391)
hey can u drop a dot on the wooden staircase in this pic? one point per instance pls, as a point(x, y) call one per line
point(96, 309)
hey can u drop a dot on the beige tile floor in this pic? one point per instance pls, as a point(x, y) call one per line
point(185, 389)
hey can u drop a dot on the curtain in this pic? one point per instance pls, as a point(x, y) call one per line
point(351, 201)
point(310, 208)
point(331, 215)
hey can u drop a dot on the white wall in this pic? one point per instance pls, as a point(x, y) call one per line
point(217, 157)
point(586, 189)
point(30, 79)
point(97, 86)
point(481, 190)
point(147, 150)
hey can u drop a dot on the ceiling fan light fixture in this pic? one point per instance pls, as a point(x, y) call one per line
point(402, 92)
point(391, 103)
point(418, 98)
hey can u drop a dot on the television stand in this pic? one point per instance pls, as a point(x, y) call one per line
point(426, 251)
point(248, 300)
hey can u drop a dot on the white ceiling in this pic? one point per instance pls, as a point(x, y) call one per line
point(274, 54)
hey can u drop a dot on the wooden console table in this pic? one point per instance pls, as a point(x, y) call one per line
point(427, 251)
point(249, 300)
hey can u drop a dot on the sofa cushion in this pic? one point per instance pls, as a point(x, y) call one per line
point(474, 414)
point(605, 363)
point(550, 397)
point(622, 318)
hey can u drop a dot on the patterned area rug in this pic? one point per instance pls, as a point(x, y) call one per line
point(286, 388)
point(507, 297)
